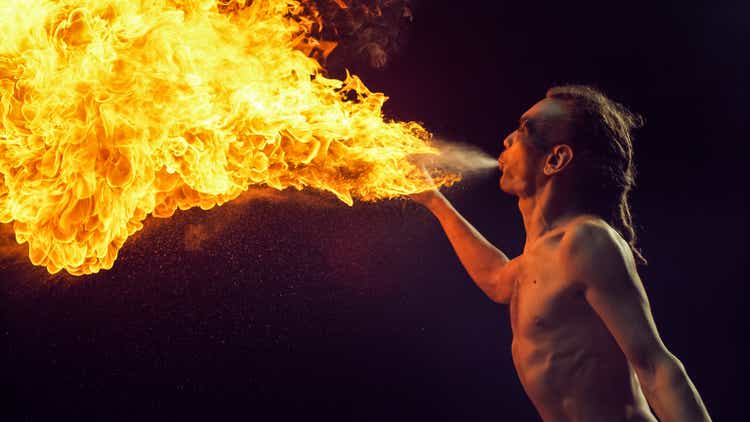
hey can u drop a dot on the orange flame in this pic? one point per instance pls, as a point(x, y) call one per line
point(113, 110)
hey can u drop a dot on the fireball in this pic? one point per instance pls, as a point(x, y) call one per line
point(114, 110)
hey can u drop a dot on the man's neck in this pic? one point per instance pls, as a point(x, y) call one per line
point(547, 209)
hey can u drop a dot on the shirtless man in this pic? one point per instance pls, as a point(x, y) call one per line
point(585, 345)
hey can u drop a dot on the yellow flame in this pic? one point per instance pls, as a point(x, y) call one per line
point(113, 110)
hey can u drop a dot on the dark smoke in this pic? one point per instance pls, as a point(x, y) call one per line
point(369, 32)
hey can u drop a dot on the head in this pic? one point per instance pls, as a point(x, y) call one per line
point(576, 139)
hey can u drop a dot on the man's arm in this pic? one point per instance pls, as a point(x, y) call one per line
point(484, 262)
point(597, 257)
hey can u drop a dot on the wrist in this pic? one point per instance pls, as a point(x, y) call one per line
point(436, 202)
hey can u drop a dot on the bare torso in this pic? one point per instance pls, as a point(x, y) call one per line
point(568, 362)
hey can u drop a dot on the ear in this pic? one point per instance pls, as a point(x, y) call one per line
point(558, 159)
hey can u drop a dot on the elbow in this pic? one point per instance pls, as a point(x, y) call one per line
point(670, 373)
point(669, 391)
point(660, 371)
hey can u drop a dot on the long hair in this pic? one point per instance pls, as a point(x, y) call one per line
point(601, 134)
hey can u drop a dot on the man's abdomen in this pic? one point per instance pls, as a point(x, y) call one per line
point(579, 382)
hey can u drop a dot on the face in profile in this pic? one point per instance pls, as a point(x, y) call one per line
point(523, 158)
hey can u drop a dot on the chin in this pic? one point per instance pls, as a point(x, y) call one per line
point(503, 188)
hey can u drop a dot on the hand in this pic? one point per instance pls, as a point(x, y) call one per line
point(428, 197)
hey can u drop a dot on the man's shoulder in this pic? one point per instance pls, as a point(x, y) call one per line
point(587, 234)
point(590, 248)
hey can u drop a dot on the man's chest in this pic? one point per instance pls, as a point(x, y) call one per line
point(543, 300)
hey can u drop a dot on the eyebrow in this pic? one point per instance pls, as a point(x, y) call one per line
point(528, 121)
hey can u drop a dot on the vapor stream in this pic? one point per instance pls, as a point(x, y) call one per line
point(456, 157)
point(462, 158)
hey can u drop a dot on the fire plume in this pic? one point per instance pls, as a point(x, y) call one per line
point(114, 110)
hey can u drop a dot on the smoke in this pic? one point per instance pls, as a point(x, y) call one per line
point(370, 33)
point(463, 158)
point(456, 157)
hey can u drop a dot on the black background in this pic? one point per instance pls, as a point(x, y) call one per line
point(295, 305)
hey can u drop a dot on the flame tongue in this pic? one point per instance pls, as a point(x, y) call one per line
point(114, 110)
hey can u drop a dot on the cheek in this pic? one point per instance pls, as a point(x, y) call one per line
point(527, 162)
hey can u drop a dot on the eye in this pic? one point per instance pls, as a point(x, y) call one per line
point(524, 126)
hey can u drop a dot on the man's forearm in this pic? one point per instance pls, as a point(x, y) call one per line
point(481, 259)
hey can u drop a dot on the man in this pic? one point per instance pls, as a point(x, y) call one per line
point(585, 345)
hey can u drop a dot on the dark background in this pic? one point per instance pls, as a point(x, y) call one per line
point(299, 306)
